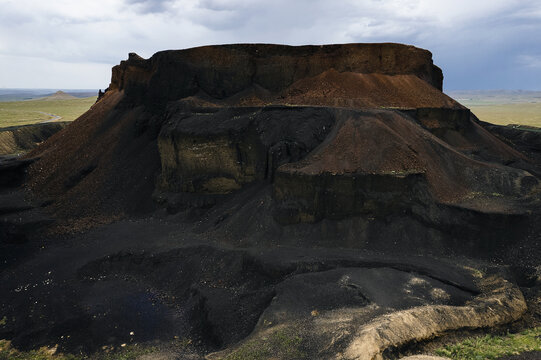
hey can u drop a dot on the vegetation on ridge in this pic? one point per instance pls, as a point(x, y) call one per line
point(128, 352)
point(282, 343)
point(493, 347)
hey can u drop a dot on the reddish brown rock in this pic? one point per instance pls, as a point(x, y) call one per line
point(222, 71)
point(381, 162)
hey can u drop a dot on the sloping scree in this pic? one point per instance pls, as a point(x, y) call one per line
point(501, 303)
point(364, 333)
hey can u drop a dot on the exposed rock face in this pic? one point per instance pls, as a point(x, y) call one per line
point(219, 150)
point(223, 71)
point(357, 133)
point(21, 139)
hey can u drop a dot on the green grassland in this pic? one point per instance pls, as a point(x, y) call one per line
point(14, 113)
point(493, 347)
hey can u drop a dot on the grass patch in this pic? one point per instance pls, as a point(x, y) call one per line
point(280, 344)
point(492, 347)
point(9, 353)
point(129, 352)
point(26, 112)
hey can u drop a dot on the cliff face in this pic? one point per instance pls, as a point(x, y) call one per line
point(21, 139)
point(345, 137)
point(220, 150)
point(222, 71)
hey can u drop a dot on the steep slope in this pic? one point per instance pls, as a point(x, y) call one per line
point(410, 169)
point(366, 91)
point(99, 166)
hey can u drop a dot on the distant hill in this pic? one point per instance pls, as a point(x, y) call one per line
point(493, 97)
point(59, 95)
point(29, 94)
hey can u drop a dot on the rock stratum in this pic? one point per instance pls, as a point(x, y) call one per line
point(270, 201)
point(21, 139)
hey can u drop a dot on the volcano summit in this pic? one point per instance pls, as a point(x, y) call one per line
point(317, 193)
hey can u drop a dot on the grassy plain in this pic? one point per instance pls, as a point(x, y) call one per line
point(14, 113)
point(502, 107)
point(497, 107)
point(504, 114)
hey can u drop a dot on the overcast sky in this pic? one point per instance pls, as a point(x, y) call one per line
point(479, 44)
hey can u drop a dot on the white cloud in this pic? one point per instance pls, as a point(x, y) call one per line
point(529, 61)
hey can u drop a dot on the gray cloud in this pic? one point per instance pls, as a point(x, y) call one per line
point(486, 43)
point(150, 6)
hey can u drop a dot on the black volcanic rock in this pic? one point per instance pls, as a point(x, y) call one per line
point(220, 150)
point(222, 71)
point(276, 201)
point(328, 133)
